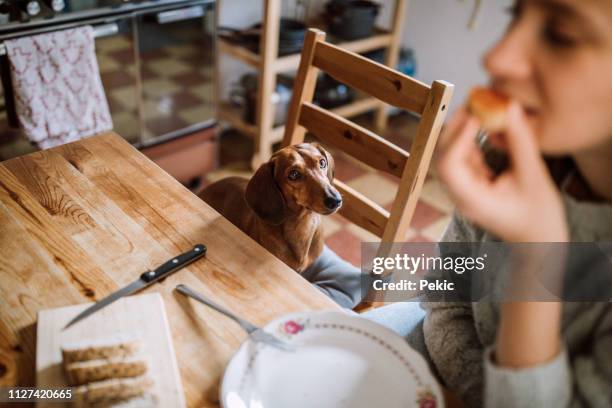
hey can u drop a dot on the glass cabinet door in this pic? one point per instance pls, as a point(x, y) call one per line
point(176, 66)
point(13, 141)
point(119, 73)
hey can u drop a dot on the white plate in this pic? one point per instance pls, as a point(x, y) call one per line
point(342, 361)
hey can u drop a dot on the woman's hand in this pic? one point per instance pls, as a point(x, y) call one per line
point(520, 205)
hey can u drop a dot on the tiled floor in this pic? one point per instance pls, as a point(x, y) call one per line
point(432, 212)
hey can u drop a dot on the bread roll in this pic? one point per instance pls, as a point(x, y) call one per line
point(82, 372)
point(490, 107)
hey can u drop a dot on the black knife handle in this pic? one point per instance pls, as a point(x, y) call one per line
point(173, 264)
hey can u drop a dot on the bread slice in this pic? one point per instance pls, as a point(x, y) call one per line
point(101, 393)
point(83, 372)
point(118, 346)
point(147, 400)
point(490, 107)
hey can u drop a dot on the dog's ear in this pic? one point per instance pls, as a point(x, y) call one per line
point(264, 197)
point(331, 165)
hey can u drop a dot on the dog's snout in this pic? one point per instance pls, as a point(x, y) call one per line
point(332, 200)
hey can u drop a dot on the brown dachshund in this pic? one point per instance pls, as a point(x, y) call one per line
point(280, 206)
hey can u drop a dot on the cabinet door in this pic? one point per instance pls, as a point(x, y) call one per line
point(13, 141)
point(176, 67)
point(118, 70)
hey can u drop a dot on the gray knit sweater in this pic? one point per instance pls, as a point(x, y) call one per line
point(459, 338)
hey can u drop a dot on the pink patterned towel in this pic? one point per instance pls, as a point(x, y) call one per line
point(58, 92)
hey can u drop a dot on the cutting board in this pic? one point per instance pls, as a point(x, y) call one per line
point(143, 316)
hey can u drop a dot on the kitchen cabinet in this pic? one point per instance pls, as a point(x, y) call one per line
point(156, 67)
point(176, 55)
point(118, 66)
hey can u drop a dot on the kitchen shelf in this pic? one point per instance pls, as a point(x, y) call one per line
point(233, 115)
point(269, 65)
point(239, 52)
point(382, 39)
point(288, 63)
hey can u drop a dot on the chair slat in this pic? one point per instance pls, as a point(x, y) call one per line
point(361, 210)
point(306, 78)
point(371, 77)
point(416, 169)
point(353, 139)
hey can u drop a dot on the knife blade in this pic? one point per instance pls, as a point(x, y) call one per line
point(146, 279)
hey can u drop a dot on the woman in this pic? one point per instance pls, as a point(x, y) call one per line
point(555, 63)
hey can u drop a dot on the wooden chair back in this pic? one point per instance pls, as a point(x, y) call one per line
point(390, 86)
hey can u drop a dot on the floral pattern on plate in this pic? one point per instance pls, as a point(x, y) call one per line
point(292, 327)
point(426, 399)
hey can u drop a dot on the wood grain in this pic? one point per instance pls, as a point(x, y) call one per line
point(359, 142)
point(307, 78)
point(361, 210)
point(392, 55)
point(371, 77)
point(81, 220)
point(264, 115)
point(416, 168)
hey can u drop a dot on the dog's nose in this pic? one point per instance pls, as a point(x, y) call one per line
point(332, 201)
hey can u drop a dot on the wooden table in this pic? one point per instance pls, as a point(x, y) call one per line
point(81, 220)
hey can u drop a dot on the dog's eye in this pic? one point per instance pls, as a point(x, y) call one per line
point(294, 175)
point(323, 163)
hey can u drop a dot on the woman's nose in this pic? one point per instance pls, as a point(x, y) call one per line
point(510, 59)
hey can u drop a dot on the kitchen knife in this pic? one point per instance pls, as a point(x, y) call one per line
point(144, 280)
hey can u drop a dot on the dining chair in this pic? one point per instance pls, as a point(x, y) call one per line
point(389, 86)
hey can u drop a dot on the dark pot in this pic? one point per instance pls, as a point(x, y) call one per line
point(353, 19)
point(290, 37)
point(292, 30)
point(290, 41)
point(330, 93)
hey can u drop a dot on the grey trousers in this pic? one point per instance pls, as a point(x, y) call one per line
point(336, 278)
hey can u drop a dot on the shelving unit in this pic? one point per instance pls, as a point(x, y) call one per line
point(269, 64)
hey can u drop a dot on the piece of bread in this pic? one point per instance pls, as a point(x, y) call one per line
point(118, 346)
point(83, 372)
point(147, 400)
point(490, 107)
point(101, 393)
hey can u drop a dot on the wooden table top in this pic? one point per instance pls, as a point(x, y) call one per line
point(81, 220)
